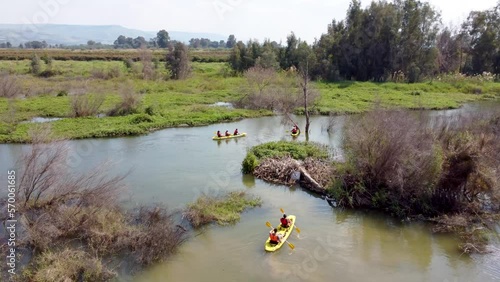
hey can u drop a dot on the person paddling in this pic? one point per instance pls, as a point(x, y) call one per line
point(295, 129)
point(218, 133)
point(285, 222)
point(273, 236)
point(236, 132)
point(227, 133)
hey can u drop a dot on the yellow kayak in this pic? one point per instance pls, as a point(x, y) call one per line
point(285, 232)
point(296, 134)
point(229, 137)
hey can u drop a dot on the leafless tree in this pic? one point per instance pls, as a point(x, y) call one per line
point(148, 70)
point(309, 95)
point(178, 61)
point(266, 89)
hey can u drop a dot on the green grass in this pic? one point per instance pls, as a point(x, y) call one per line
point(357, 97)
point(296, 150)
point(223, 210)
point(186, 102)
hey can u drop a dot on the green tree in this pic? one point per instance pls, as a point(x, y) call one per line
point(448, 45)
point(483, 28)
point(289, 58)
point(162, 38)
point(231, 41)
point(268, 58)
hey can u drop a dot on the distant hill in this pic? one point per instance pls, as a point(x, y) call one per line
point(80, 34)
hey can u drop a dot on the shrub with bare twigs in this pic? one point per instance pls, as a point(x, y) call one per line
point(82, 215)
point(266, 89)
point(9, 86)
point(86, 105)
point(130, 102)
point(432, 168)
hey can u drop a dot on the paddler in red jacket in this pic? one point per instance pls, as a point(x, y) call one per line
point(285, 222)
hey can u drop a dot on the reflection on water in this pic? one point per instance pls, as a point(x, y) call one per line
point(174, 166)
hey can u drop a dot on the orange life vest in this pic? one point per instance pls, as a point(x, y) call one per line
point(273, 237)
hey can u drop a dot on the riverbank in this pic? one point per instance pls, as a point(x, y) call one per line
point(160, 103)
point(73, 226)
point(444, 171)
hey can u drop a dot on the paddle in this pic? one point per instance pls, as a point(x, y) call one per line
point(296, 228)
point(268, 224)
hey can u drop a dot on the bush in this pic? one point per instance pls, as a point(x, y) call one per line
point(69, 265)
point(249, 163)
point(86, 105)
point(159, 237)
point(398, 163)
point(221, 209)
point(79, 215)
point(36, 66)
point(150, 110)
point(128, 63)
point(141, 118)
point(49, 73)
point(9, 86)
point(62, 93)
point(106, 74)
point(129, 104)
point(394, 162)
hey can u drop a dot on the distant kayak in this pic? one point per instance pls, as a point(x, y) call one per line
point(229, 137)
point(296, 134)
point(285, 232)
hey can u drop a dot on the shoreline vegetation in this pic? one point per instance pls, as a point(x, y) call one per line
point(124, 98)
point(442, 171)
point(73, 227)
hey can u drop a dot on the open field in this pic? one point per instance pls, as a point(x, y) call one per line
point(204, 55)
point(170, 103)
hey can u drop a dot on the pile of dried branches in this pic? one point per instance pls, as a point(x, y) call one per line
point(277, 170)
point(320, 170)
point(280, 170)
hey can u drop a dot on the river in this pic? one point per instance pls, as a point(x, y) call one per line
point(174, 166)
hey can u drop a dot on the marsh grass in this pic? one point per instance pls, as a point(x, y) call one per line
point(185, 102)
point(296, 150)
point(67, 265)
point(223, 209)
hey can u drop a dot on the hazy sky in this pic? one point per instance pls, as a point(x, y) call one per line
point(246, 19)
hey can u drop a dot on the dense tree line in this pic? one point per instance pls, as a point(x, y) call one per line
point(403, 39)
point(206, 43)
point(5, 45)
point(162, 40)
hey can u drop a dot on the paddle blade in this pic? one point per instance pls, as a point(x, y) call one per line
point(282, 210)
point(290, 245)
point(268, 224)
point(298, 229)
